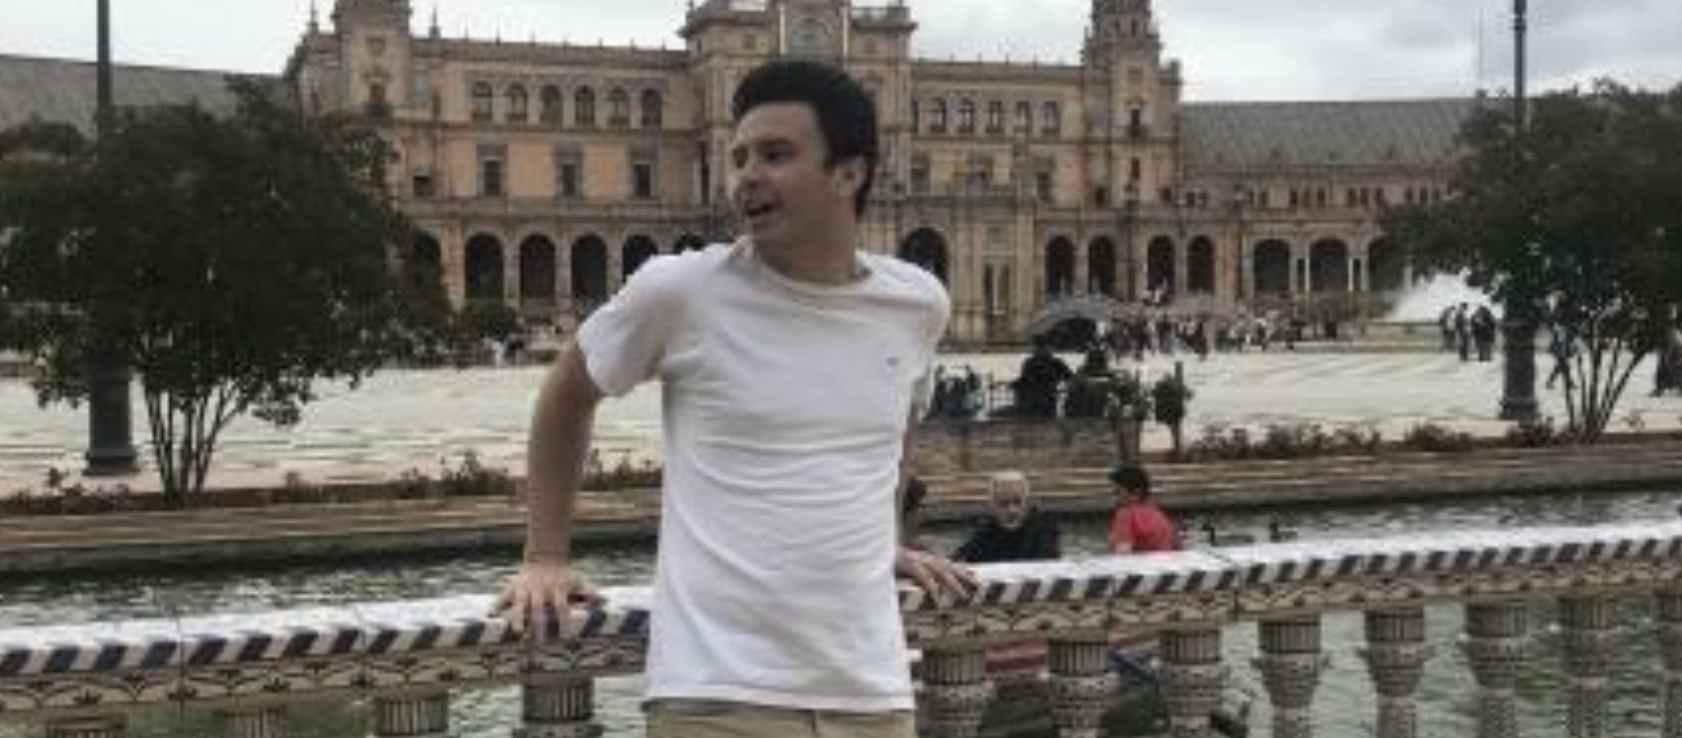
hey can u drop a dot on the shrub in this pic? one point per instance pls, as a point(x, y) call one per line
point(1436, 438)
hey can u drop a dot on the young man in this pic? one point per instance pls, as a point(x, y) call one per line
point(1138, 524)
point(1014, 531)
point(790, 361)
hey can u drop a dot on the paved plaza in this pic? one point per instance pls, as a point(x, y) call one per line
point(410, 419)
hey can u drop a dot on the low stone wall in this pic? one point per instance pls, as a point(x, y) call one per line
point(968, 446)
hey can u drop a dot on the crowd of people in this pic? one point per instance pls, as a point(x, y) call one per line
point(1465, 329)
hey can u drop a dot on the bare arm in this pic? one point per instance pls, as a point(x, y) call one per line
point(560, 439)
point(932, 572)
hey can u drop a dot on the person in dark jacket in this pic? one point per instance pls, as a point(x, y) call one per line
point(1014, 531)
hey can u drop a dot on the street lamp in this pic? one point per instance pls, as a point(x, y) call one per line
point(1518, 397)
point(110, 422)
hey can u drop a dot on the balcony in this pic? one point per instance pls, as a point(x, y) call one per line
point(408, 657)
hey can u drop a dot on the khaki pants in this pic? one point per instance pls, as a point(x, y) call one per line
point(715, 719)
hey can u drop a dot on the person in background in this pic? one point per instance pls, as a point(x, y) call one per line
point(1138, 524)
point(1014, 530)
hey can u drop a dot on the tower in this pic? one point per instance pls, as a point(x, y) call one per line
point(1132, 100)
point(374, 48)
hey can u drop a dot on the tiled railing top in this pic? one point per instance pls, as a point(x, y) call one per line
point(396, 628)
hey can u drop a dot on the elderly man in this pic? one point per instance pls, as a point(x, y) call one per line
point(1014, 531)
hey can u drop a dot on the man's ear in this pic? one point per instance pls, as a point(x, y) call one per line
point(848, 176)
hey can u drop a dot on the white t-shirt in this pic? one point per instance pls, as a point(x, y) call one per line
point(785, 407)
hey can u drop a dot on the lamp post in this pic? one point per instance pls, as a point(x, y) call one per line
point(1518, 397)
point(110, 436)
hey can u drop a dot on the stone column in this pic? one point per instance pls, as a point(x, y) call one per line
point(252, 722)
point(103, 726)
point(1670, 650)
point(1247, 275)
point(1587, 625)
point(955, 691)
point(1081, 684)
point(1083, 271)
point(419, 714)
point(558, 707)
point(1395, 656)
point(1290, 667)
point(1191, 676)
point(1497, 639)
point(511, 276)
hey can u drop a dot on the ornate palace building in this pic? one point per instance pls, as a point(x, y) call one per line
point(544, 174)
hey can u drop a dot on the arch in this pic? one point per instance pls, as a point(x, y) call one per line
point(1100, 267)
point(1200, 266)
point(549, 101)
point(584, 107)
point(618, 108)
point(1386, 266)
point(653, 109)
point(589, 271)
point(926, 248)
point(484, 102)
point(1059, 267)
point(1159, 265)
point(425, 261)
point(1272, 265)
point(638, 250)
point(1328, 266)
point(484, 268)
point(519, 103)
point(688, 242)
point(537, 269)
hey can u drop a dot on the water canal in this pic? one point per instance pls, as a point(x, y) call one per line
point(1343, 705)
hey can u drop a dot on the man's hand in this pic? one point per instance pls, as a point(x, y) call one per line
point(542, 592)
point(934, 573)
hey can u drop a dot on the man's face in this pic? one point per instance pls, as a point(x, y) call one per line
point(784, 196)
point(1010, 504)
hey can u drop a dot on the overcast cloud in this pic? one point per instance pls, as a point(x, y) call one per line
point(1231, 49)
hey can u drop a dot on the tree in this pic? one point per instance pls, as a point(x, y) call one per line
point(1575, 221)
point(230, 261)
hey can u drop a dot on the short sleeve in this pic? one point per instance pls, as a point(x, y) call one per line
point(624, 342)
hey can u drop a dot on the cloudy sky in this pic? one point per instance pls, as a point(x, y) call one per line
point(1232, 49)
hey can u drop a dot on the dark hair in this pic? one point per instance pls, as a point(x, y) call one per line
point(846, 115)
point(1131, 478)
point(915, 492)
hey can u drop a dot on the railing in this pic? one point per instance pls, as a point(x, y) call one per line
point(407, 657)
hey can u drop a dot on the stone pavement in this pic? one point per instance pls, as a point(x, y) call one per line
point(400, 420)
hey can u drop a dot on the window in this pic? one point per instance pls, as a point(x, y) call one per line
point(995, 117)
point(424, 186)
point(551, 102)
point(642, 180)
point(920, 173)
point(653, 109)
point(569, 173)
point(937, 122)
point(618, 108)
point(916, 116)
point(490, 177)
point(584, 108)
point(1135, 169)
point(484, 102)
point(378, 104)
point(519, 107)
point(1051, 123)
point(1024, 118)
point(1044, 185)
point(1136, 122)
point(966, 117)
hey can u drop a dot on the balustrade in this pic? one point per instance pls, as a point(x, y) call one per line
point(406, 659)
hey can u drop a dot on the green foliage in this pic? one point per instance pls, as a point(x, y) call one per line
point(471, 478)
point(1169, 398)
point(1539, 433)
point(1576, 221)
point(1128, 396)
point(1284, 441)
point(230, 262)
point(1436, 439)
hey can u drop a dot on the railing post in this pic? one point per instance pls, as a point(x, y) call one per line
point(1395, 656)
point(103, 726)
point(1191, 676)
point(1497, 641)
point(1587, 625)
point(557, 707)
point(421, 714)
point(955, 691)
point(1081, 684)
point(1290, 667)
point(1670, 649)
point(257, 721)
